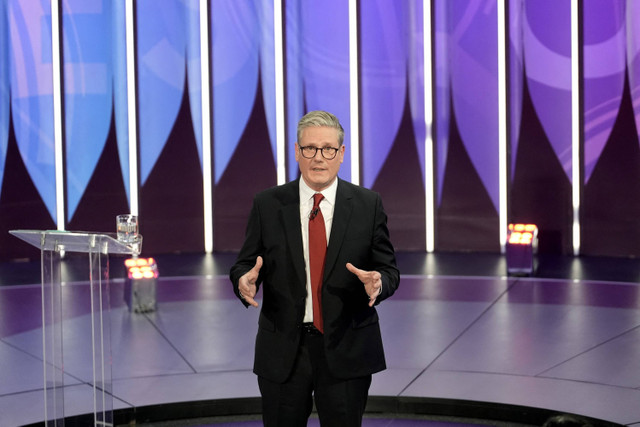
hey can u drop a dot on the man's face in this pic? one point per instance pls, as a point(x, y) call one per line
point(318, 173)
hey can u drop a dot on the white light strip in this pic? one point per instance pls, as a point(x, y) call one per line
point(502, 124)
point(57, 113)
point(131, 108)
point(281, 165)
point(575, 125)
point(429, 184)
point(354, 92)
point(206, 127)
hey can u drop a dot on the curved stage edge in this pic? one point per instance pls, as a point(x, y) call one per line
point(385, 407)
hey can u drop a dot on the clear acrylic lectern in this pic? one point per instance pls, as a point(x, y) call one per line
point(53, 244)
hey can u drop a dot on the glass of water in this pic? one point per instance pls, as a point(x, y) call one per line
point(127, 228)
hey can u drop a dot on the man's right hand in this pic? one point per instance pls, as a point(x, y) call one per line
point(247, 283)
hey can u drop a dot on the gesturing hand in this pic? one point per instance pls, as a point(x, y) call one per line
point(247, 283)
point(372, 281)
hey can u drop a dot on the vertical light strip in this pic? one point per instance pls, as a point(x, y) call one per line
point(281, 159)
point(502, 123)
point(354, 92)
point(132, 107)
point(429, 184)
point(575, 124)
point(205, 100)
point(57, 113)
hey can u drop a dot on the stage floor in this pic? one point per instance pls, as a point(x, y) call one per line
point(459, 335)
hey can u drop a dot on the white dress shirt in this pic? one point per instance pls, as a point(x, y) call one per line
point(327, 205)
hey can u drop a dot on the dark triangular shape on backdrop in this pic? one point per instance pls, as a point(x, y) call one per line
point(21, 206)
point(171, 200)
point(466, 219)
point(401, 186)
point(251, 169)
point(611, 202)
point(540, 192)
point(105, 195)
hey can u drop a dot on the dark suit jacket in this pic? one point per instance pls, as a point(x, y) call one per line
point(359, 235)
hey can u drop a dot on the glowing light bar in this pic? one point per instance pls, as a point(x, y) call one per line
point(522, 234)
point(57, 113)
point(141, 268)
point(354, 92)
point(502, 121)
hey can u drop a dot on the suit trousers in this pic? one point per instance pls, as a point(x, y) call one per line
point(339, 402)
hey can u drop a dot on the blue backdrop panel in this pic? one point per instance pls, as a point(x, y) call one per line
point(88, 85)
point(27, 186)
point(244, 113)
point(171, 198)
point(32, 93)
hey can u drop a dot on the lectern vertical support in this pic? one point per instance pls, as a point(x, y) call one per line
point(100, 332)
point(52, 357)
point(52, 245)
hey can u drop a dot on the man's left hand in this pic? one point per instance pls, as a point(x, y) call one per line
point(372, 281)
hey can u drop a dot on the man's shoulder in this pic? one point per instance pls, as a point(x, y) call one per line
point(283, 192)
point(351, 189)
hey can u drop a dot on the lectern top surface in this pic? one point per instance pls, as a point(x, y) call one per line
point(77, 241)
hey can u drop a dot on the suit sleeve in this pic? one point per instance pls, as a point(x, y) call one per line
point(383, 254)
point(251, 249)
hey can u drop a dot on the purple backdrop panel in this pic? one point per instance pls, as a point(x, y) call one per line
point(605, 39)
point(516, 76)
point(472, 49)
point(633, 56)
point(547, 58)
point(4, 90)
point(392, 114)
point(318, 69)
point(467, 126)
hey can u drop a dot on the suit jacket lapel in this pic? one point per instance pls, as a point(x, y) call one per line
point(291, 224)
point(339, 225)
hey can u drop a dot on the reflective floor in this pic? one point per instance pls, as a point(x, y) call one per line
point(462, 339)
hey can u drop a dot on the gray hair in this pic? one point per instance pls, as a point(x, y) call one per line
point(320, 119)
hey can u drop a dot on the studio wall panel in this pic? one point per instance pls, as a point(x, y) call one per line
point(104, 196)
point(317, 70)
point(391, 153)
point(540, 110)
point(96, 178)
point(170, 169)
point(21, 206)
point(611, 154)
point(171, 199)
point(391, 133)
point(467, 216)
point(250, 170)
point(27, 173)
point(244, 111)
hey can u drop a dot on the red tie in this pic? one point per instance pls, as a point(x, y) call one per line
point(317, 252)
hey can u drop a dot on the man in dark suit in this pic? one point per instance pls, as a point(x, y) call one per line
point(316, 337)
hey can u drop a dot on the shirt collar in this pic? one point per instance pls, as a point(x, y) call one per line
point(329, 193)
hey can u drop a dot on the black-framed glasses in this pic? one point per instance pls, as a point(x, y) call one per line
point(309, 152)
